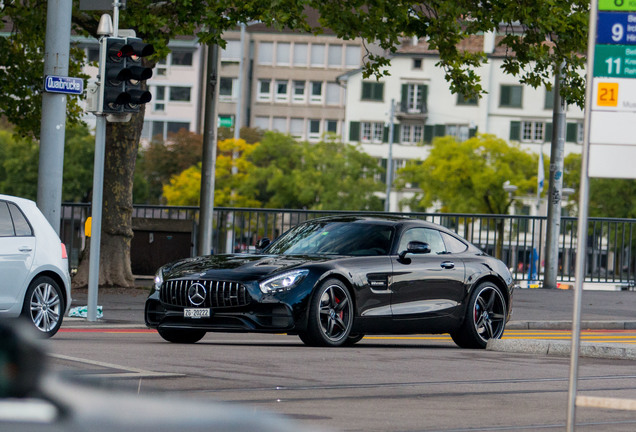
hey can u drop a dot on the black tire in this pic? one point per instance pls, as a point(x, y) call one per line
point(485, 317)
point(44, 305)
point(181, 336)
point(330, 315)
point(353, 339)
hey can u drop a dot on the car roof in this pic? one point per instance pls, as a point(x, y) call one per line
point(393, 220)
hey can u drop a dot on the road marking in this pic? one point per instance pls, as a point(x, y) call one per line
point(130, 372)
point(607, 403)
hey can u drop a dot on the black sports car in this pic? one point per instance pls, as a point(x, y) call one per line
point(333, 280)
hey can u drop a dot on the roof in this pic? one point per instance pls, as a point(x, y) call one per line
point(471, 44)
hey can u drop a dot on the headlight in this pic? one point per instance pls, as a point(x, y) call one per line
point(283, 282)
point(158, 279)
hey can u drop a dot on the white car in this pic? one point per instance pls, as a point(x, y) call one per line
point(34, 277)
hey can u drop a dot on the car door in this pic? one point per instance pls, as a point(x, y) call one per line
point(17, 249)
point(429, 284)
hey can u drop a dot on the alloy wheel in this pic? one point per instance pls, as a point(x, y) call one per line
point(489, 313)
point(45, 306)
point(335, 312)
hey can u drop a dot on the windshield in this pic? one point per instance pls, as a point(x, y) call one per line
point(335, 238)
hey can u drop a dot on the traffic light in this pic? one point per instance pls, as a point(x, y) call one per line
point(122, 74)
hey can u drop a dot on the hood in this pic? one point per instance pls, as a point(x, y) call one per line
point(242, 267)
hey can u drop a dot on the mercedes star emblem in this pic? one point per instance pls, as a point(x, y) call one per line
point(197, 294)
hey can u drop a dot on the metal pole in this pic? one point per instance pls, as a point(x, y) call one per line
point(555, 186)
point(96, 216)
point(239, 84)
point(209, 154)
point(53, 123)
point(389, 163)
point(581, 246)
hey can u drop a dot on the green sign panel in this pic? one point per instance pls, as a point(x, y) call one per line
point(617, 5)
point(225, 122)
point(615, 61)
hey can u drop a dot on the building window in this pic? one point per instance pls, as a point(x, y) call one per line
point(300, 54)
point(163, 128)
point(261, 123)
point(314, 130)
point(159, 99)
point(296, 128)
point(282, 93)
point(549, 99)
point(333, 94)
point(181, 57)
point(316, 92)
point(460, 132)
point(161, 68)
point(280, 124)
point(414, 98)
point(265, 53)
point(331, 126)
point(299, 91)
point(417, 63)
point(511, 96)
point(231, 52)
point(283, 53)
point(411, 134)
point(226, 89)
point(352, 56)
point(318, 55)
point(463, 100)
point(532, 131)
point(180, 94)
point(264, 91)
point(372, 132)
point(334, 56)
point(92, 54)
point(372, 91)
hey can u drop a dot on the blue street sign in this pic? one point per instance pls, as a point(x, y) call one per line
point(67, 85)
point(616, 28)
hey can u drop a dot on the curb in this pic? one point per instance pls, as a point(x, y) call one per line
point(567, 325)
point(562, 348)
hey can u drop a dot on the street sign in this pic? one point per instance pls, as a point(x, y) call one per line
point(616, 28)
point(66, 85)
point(615, 61)
point(617, 5)
point(225, 122)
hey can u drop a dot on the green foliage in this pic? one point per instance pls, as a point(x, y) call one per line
point(19, 161)
point(607, 197)
point(329, 175)
point(468, 176)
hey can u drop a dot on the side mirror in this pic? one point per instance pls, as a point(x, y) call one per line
point(415, 247)
point(262, 243)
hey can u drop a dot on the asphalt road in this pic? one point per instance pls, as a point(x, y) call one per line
point(381, 384)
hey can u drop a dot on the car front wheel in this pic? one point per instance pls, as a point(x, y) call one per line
point(181, 336)
point(330, 316)
point(44, 305)
point(485, 317)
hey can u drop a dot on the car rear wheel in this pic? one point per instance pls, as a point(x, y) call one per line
point(330, 316)
point(353, 339)
point(485, 317)
point(44, 305)
point(181, 336)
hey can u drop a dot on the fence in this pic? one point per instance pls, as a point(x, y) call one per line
point(518, 240)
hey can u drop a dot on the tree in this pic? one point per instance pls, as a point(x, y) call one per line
point(468, 177)
point(19, 164)
point(527, 26)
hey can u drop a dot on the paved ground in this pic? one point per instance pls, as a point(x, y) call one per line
point(533, 309)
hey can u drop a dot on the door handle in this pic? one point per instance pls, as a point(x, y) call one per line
point(448, 265)
point(25, 249)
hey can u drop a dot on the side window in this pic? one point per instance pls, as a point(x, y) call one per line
point(426, 235)
point(6, 225)
point(22, 227)
point(453, 245)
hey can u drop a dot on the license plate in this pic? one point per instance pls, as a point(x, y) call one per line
point(196, 313)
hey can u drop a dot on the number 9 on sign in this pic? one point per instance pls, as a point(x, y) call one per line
point(607, 94)
point(617, 32)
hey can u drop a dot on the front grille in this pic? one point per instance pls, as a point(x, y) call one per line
point(219, 294)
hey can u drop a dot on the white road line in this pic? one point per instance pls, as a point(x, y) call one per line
point(130, 372)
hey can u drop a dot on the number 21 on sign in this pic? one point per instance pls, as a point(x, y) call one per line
point(607, 94)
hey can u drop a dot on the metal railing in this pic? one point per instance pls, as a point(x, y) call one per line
point(518, 240)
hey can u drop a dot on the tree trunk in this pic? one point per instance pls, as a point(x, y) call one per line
point(122, 142)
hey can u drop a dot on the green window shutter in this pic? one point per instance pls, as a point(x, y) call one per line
point(354, 131)
point(423, 92)
point(472, 132)
point(548, 133)
point(396, 133)
point(515, 130)
point(571, 132)
point(440, 130)
point(378, 94)
point(366, 90)
point(504, 96)
point(385, 135)
point(405, 97)
point(429, 130)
